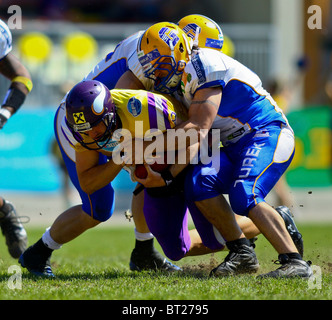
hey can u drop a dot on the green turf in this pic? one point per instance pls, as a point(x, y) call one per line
point(95, 267)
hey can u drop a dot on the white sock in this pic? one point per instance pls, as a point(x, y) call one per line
point(49, 242)
point(143, 236)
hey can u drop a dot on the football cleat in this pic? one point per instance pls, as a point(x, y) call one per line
point(37, 261)
point(42, 270)
point(239, 261)
point(152, 261)
point(13, 230)
point(296, 236)
point(290, 268)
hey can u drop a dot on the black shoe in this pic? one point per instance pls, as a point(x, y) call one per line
point(13, 230)
point(150, 261)
point(241, 259)
point(252, 242)
point(37, 259)
point(286, 214)
point(290, 268)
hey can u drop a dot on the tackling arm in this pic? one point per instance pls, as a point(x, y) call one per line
point(129, 81)
point(21, 85)
point(202, 113)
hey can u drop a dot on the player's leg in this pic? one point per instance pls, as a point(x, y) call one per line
point(166, 218)
point(71, 223)
point(144, 255)
point(247, 226)
point(205, 238)
point(205, 186)
point(95, 208)
point(264, 157)
point(198, 246)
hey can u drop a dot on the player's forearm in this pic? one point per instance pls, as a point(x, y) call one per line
point(15, 71)
point(184, 158)
point(21, 85)
point(98, 177)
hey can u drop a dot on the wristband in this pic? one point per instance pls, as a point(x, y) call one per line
point(14, 98)
point(26, 81)
point(5, 112)
point(167, 176)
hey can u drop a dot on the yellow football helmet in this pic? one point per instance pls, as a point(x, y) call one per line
point(204, 31)
point(163, 51)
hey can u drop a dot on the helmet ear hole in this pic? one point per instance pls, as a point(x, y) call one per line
point(181, 48)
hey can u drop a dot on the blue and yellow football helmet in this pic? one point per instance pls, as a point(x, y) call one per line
point(163, 51)
point(204, 31)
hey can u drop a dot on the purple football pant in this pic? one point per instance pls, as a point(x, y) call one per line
point(167, 219)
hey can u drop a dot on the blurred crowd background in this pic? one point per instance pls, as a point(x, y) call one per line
point(60, 41)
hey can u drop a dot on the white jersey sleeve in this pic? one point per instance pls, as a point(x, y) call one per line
point(116, 63)
point(205, 69)
point(5, 40)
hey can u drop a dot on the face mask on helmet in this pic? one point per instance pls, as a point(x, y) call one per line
point(204, 31)
point(163, 51)
point(88, 104)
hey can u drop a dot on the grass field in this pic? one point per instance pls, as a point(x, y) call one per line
point(95, 267)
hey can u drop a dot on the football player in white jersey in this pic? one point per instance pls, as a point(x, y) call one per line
point(258, 143)
point(120, 69)
point(21, 85)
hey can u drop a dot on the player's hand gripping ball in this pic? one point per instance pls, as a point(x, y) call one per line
point(142, 173)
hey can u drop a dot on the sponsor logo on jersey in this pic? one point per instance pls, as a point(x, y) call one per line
point(134, 106)
point(198, 66)
point(262, 133)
